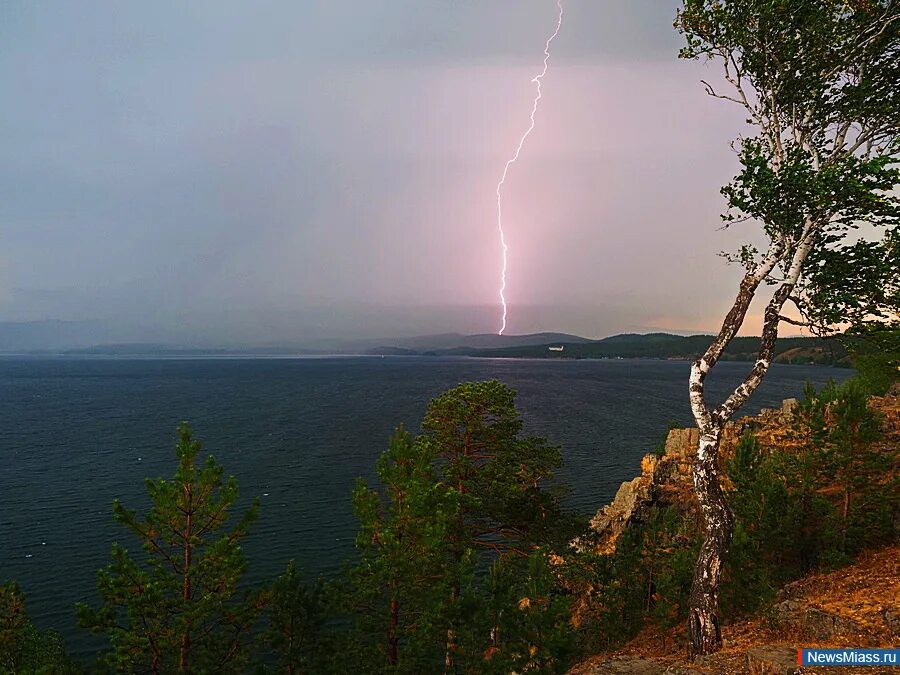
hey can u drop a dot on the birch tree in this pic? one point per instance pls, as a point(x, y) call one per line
point(819, 81)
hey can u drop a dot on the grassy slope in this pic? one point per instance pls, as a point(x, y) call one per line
point(864, 593)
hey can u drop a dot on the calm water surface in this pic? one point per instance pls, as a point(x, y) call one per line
point(78, 433)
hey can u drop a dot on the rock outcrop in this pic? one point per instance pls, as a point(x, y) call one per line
point(665, 480)
point(854, 606)
point(632, 500)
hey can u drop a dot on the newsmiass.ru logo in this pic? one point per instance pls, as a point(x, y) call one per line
point(848, 657)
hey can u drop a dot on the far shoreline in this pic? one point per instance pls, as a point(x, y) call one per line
point(289, 356)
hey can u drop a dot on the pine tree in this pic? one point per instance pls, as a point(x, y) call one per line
point(844, 429)
point(526, 617)
point(504, 511)
point(178, 609)
point(23, 647)
point(449, 543)
point(475, 430)
point(296, 622)
point(399, 590)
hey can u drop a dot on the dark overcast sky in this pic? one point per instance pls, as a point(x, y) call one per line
point(226, 172)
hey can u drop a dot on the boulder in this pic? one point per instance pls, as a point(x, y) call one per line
point(790, 591)
point(813, 621)
point(821, 624)
point(789, 408)
point(682, 443)
point(787, 611)
point(772, 660)
point(635, 665)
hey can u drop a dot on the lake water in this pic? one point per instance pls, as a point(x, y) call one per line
point(78, 433)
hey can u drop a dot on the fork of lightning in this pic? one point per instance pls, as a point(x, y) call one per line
point(537, 97)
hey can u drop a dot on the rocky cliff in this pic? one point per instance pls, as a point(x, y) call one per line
point(665, 480)
point(855, 606)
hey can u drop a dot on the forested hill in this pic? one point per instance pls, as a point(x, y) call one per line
point(802, 350)
point(666, 346)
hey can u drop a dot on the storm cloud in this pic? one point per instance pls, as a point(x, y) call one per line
point(232, 172)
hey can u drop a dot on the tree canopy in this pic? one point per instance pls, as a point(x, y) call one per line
point(818, 81)
point(178, 608)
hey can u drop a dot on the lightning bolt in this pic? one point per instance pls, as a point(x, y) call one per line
point(537, 97)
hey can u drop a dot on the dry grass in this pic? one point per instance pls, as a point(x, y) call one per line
point(862, 592)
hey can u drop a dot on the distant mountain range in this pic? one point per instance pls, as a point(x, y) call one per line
point(450, 341)
point(535, 345)
point(99, 338)
point(22, 336)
